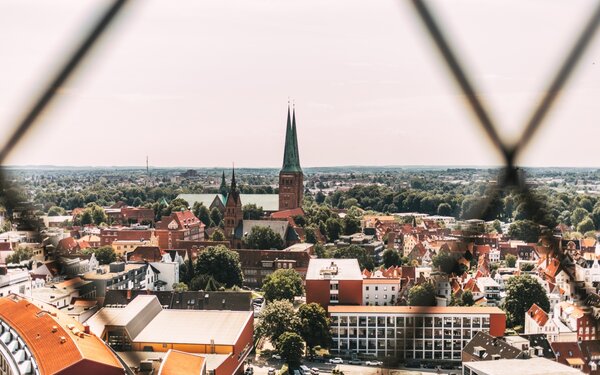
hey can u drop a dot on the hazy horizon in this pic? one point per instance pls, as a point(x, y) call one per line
point(207, 83)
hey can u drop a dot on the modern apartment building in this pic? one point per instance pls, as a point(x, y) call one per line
point(411, 332)
point(334, 282)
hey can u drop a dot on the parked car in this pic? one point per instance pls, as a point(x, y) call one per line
point(304, 370)
point(276, 356)
point(374, 363)
point(249, 371)
point(314, 371)
point(336, 360)
point(355, 362)
point(411, 364)
point(430, 365)
point(447, 366)
point(271, 371)
point(297, 372)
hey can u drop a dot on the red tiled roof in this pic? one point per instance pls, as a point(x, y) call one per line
point(35, 327)
point(284, 214)
point(538, 315)
point(180, 363)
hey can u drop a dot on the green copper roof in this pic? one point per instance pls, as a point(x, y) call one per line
point(291, 158)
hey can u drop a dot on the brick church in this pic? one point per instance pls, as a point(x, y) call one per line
point(291, 193)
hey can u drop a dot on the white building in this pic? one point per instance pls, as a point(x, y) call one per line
point(411, 332)
point(490, 289)
point(494, 256)
point(380, 291)
point(160, 276)
point(15, 281)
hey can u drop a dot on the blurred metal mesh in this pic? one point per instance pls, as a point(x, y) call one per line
point(510, 179)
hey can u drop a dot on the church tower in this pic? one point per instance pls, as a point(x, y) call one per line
point(233, 209)
point(291, 179)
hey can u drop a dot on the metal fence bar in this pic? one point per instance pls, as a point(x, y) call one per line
point(48, 94)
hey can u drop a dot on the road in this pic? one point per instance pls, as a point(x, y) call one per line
point(325, 368)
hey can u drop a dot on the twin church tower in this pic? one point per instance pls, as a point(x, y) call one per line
point(291, 182)
point(291, 179)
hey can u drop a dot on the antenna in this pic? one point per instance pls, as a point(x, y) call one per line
point(147, 168)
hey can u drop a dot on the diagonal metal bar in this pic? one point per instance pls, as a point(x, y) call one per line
point(461, 78)
point(48, 94)
point(559, 81)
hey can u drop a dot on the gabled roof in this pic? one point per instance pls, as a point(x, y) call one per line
point(538, 315)
point(278, 226)
point(491, 346)
point(145, 254)
point(180, 363)
point(134, 317)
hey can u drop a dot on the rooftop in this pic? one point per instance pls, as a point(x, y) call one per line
point(533, 366)
point(333, 269)
point(48, 332)
point(146, 321)
point(415, 310)
point(177, 363)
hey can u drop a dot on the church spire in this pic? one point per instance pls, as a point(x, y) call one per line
point(223, 186)
point(291, 160)
point(233, 184)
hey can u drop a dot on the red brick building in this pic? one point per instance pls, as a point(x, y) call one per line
point(334, 282)
point(179, 226)
point(109, 235)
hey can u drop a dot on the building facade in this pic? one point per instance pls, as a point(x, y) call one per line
point(334, 282)
point(411, 332)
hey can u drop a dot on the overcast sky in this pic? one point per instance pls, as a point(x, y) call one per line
point(205, 83)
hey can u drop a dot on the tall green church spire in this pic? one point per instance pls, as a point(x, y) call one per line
point(291, 158)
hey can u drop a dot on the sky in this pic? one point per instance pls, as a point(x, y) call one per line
point(206, 83)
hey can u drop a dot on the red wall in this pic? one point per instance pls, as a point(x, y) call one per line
point(350, 292)
point(318, 291)
point(497, 324)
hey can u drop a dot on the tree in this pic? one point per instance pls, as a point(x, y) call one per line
point(444, 209)
point(201, 212)
point(314, 325)
point(252, 212)
point(204, 282)
point(283, 284)
point(586, 225)
point(422, 295)
point(391, 258)
point(467, 299)
point(448, 263)
point(355, 252)
point(525, 230)
point(511, 260)
point(277, 318)
point(578, 215)
point(216, 217)
point(311, 235)
point(180, 287)
point(291, 348)
point(521, 293)
point(497, 226)
point(351, 224)
point(263, 238)
point(217, 235)
point(334, 228)
point(222, 264)
point(20, 255)
point(186, 271)
point(105, 255)
point(56, 211)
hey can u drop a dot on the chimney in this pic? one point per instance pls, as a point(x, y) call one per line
point(128, 294)
point(86, 328)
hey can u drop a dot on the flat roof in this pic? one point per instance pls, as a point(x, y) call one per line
point(415, 310)
point(532, 366)
point(347, 269)
point(381, 280)
point(195, 327)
